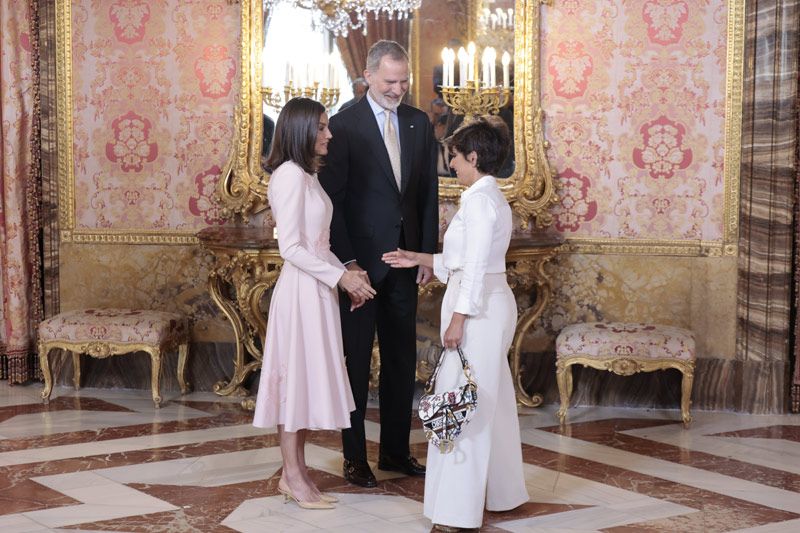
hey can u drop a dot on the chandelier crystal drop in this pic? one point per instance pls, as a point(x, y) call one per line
point(335, 15)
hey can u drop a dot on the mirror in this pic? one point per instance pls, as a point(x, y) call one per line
point(305, 54)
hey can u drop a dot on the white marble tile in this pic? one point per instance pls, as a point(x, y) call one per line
point(19, 394)
point(53, 422)
point(354, 512)
point(144, 442)
point(205, 471)
point(779, 454)
point(87, 513)
point(17, 523)
point(694, 477)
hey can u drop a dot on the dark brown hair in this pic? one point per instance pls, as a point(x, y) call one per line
point(488, 136)
point(296, 135)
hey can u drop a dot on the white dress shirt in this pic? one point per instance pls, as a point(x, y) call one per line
point(476, 242)
point(380, 116)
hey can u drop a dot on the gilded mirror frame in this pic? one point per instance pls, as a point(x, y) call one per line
point(530, 190)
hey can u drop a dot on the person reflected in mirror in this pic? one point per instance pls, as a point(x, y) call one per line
point(304, 384)
point(267, 132)
point(478, 314)
point(439, 116)
point(381, 175)
point(360, 87)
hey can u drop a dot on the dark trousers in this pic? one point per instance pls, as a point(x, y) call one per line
point(393, 311)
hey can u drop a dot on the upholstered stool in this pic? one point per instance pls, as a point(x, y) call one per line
point(105, 332)
point(624, 349)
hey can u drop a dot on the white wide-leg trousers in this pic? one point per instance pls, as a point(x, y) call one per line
point(485, 467)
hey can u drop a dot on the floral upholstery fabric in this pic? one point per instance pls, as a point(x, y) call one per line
point(617, 339)
point(126, 326)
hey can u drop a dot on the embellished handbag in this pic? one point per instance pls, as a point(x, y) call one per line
point(444, 415)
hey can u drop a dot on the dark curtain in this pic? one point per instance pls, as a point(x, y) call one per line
point(355, 46)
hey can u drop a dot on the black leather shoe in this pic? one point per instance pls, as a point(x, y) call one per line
point(359, 473)
point(407, 465)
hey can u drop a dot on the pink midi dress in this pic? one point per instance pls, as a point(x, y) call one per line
point(304, 382)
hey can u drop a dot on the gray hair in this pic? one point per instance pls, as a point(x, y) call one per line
point(385, 48)
point(359, 81)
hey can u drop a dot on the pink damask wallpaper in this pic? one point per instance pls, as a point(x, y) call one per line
point(634, 94)
point(154, 88)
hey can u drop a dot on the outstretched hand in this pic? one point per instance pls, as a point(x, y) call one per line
point(400, 259)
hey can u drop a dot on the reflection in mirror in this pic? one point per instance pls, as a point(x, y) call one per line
point(442, 35)
point(297, 59)
point(530, 187)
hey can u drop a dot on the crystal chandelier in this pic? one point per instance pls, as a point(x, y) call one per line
point(335, 15)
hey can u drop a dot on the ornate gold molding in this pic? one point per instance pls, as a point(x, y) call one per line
point(734, 73)
point(646, 247)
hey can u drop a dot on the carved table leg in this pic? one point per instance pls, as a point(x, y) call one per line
point(232, 387)
point(524, 273)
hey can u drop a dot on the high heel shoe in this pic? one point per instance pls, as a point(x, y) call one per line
point(330, 498)
point(288, 495)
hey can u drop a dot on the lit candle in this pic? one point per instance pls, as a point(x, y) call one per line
point(485, 67)
point(463, 64)
point(471, 65)
point(445, 68)
point(451, 55)
point(506, 60)
point(510, 18)
point(492, 67)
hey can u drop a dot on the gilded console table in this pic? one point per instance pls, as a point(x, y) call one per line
point(247, 264)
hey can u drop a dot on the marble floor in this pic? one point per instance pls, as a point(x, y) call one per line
point(101, 460)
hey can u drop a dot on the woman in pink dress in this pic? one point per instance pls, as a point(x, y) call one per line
point(304, 382)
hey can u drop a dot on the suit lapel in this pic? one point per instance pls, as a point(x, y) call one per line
point(406, 145)
point(375, 142)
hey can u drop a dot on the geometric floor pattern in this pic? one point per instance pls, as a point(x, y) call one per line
point(102, 460)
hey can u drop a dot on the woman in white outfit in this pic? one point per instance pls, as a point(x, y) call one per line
point(479, 314)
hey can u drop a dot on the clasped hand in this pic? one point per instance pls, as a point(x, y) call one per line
point(355, 282)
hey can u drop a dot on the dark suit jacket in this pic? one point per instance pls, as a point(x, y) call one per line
point(369, 211)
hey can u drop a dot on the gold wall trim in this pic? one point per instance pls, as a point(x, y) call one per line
point(66, 162)
point(734, 74)
point(128, 237)
point(647, 247)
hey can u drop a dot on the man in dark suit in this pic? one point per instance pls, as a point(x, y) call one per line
point(380, 173)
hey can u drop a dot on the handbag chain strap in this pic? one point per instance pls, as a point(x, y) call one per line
point(431, 383)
